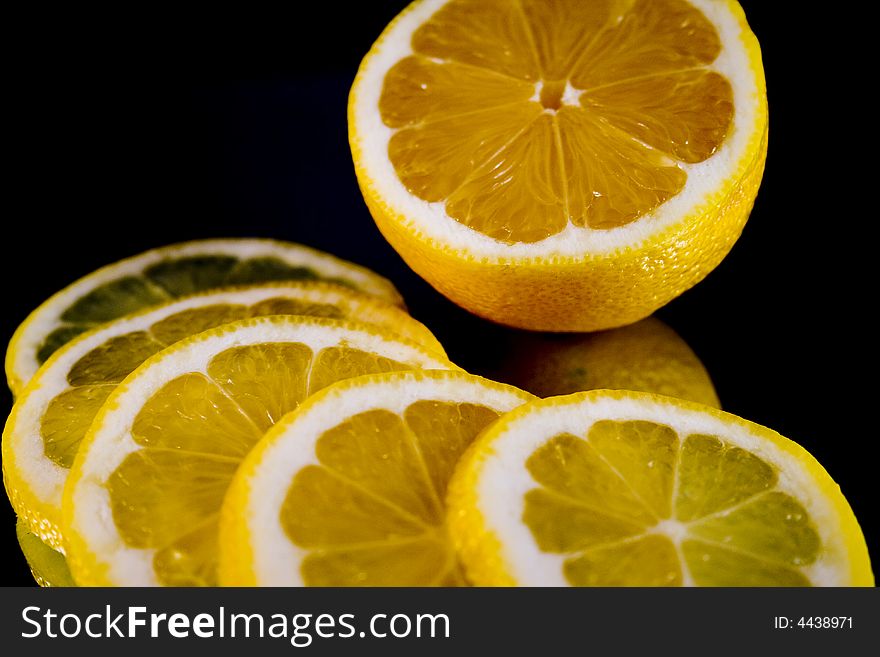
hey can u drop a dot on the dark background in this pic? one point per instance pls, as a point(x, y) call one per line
point(133, 128)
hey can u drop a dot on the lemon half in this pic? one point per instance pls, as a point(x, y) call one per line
point(561, 165)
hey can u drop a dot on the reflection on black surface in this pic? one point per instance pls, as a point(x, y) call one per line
point(647, 356)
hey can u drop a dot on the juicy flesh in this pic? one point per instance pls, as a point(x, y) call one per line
point(371, 513)
point(165, 280)
point(637, 504)
point(195, 430)
point(526, 116)
point(94, 376)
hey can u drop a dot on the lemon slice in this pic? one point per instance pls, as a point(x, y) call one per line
point(349, 489)
point(163, 274)
point(54, 411)
point(647, 356)
point(142, 500)
point(48, 566)
point(564, 165)
point(629, 489)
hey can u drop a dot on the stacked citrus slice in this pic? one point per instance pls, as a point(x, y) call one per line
point(309, 434)
point(166, 273)
point(56, 409)
point(144, 495)
point(378, 481)
point(86, 339)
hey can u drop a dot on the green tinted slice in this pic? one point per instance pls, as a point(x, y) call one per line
point(262, 270)
point(112, 300)
point(48, 566)
point(57, 339)
point(189, 275)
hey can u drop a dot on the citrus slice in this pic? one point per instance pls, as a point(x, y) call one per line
point(142, 500)
point(163, 274)
point(647, 356)
point(48, 566)
point(55, 410)
point(629, 489)
point(563, 165)
point(349, 489)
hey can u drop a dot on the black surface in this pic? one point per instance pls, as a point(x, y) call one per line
point(131, 130)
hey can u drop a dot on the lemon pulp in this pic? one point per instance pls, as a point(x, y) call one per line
point(526, 117)
point(193, 433)
point(371, 512)
point(638, 504)
point(169, 279)
point(94, 376)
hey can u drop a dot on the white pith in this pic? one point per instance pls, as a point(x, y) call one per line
point(504, 480)
point(40, 323)
point(429, 219)
point(45, 478)
point(291, 446)
point(87, 502)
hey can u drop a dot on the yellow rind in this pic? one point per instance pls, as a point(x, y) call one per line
point(85, 566)
point(482, 551)
point(41, 520)
point(43, 525)
point(590, 292)
point(235, 565)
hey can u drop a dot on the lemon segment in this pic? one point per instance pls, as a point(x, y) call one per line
point(143, 498)
point(649, 560)
point(164, 274)
point(64, 424)
point(628, 489)
point(349, 490)
point(52, 415)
